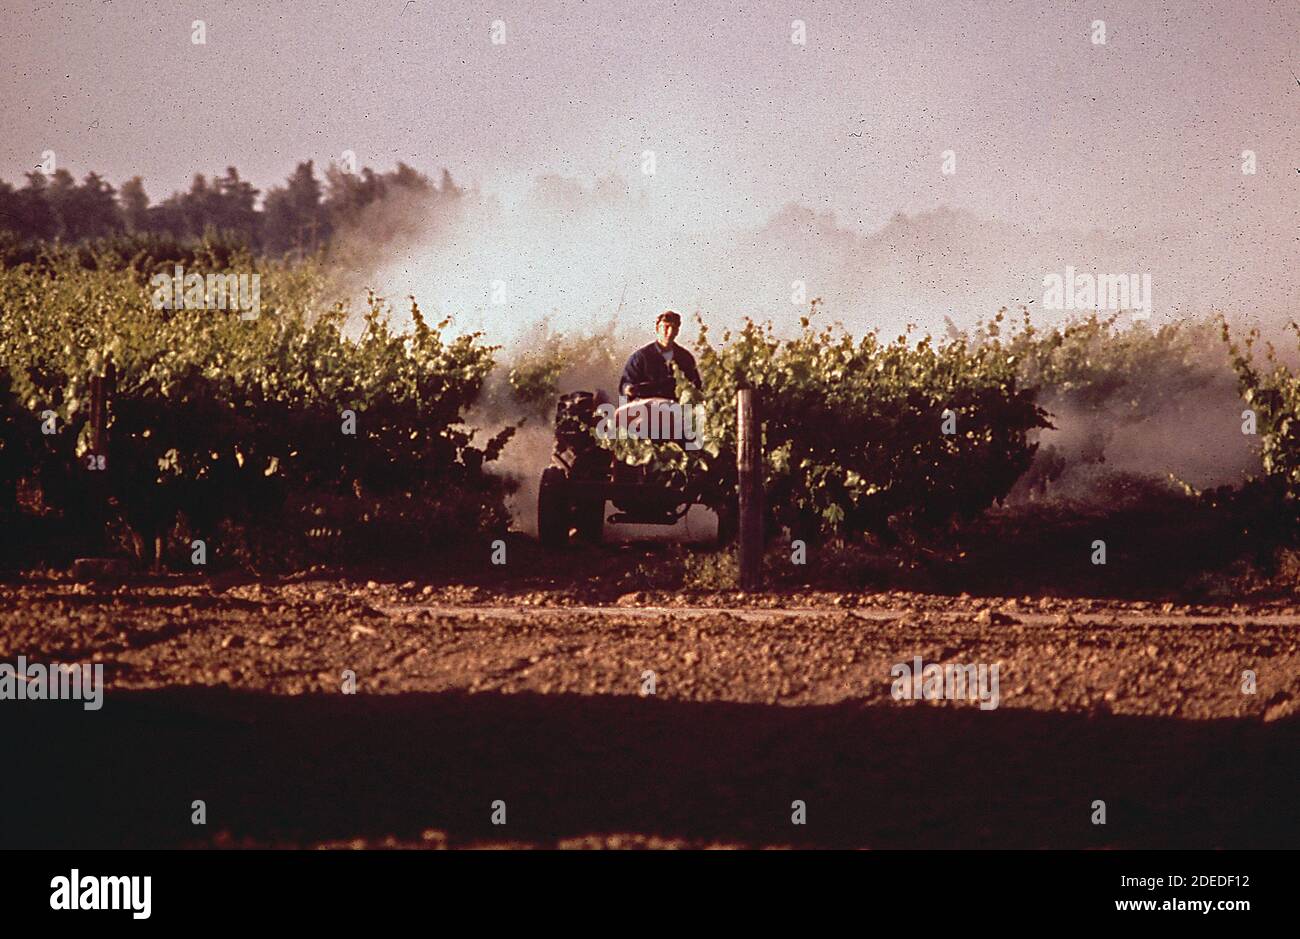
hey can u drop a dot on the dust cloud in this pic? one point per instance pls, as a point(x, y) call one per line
point(596, 259)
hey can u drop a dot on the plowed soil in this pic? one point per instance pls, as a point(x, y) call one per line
point(234, 694)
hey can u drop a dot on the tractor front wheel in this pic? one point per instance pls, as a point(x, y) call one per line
point(590, 520)
point(553, 508)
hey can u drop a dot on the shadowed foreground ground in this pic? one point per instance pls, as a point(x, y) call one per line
point(320, 768)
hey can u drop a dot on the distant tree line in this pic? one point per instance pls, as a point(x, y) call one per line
point(296, 218)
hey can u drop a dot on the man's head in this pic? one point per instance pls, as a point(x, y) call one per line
point(667, 326)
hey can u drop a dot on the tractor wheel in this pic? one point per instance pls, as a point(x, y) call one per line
point(553, 508)
point(590, 520)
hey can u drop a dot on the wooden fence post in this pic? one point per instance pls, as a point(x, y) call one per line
point(101, 391)
point(749, 459)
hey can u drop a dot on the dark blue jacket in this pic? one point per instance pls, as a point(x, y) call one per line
point(647, 370)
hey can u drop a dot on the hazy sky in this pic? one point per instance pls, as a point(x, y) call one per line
point(1043, 121)
point(1139, 137)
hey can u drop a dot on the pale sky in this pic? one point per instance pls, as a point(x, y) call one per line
point(1139, 138)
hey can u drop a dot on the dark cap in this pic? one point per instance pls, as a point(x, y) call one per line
point(670, 316)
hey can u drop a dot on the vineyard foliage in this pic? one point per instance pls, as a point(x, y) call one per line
point(853, 428)
point(234, 430)
point(1123, 375)
point(1105, 379)
point(555, 363)
point(1271, 392)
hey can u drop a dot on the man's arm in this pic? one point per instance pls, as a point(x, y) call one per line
point(633, 375)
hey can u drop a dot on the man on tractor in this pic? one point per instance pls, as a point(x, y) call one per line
point(584, 475)
point(649, 370)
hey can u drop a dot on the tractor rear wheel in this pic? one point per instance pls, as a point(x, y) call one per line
point(553, 508)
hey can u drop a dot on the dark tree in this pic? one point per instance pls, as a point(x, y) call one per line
point(347, 194)
point(446, 187)
point(37, 219)
point(299, 217)
point(60, 195)
point(407, 177)
point(11, 217)
point(294, 217)
point(94, 212)
point(134, 204)
point(201, 207)
point(237, 205)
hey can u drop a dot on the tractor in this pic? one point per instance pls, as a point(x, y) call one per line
point(584, 476)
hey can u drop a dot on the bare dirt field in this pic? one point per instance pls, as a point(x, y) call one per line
point(232, 693)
